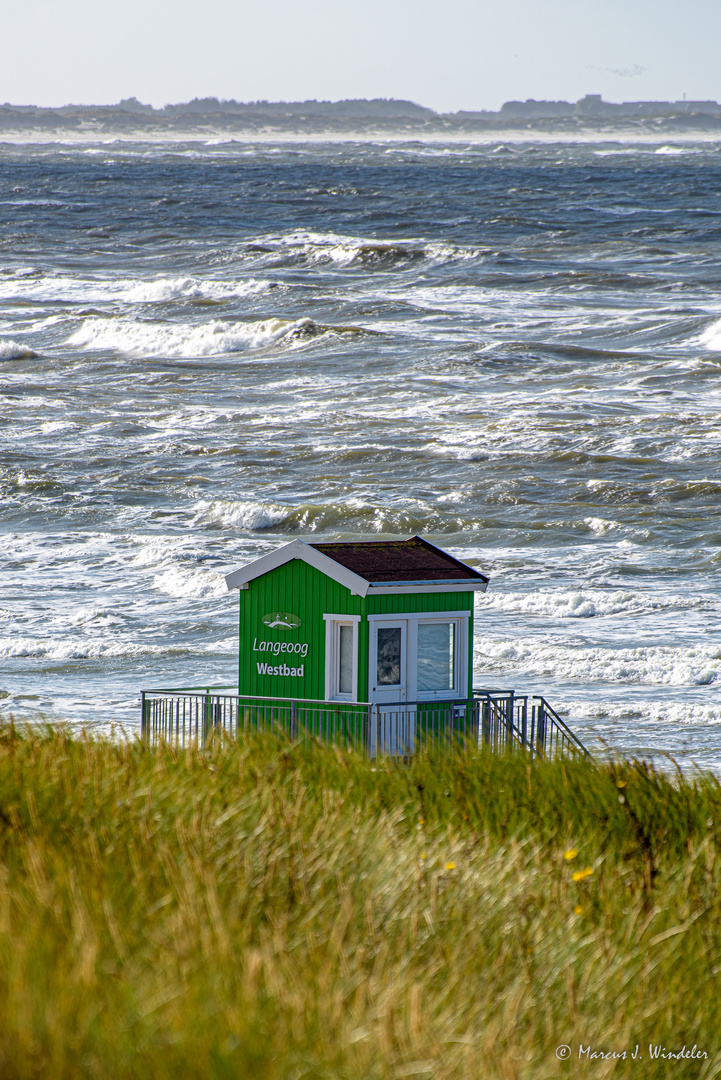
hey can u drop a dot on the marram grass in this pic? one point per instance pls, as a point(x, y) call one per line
point(268, 910)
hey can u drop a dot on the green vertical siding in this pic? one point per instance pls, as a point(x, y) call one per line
point(301, 590)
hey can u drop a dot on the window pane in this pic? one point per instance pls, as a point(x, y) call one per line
point(389, 656)
point(345, 659)
point(436, 649)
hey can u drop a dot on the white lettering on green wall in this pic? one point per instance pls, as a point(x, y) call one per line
point(280, 669)
point(276, 647)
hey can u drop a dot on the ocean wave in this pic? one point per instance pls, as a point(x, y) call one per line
point(676, 151)
point(239, 515)
point(91, 648)
point(71, 290)
point(162, 290)
point(357, 514)
point(678, 713)
point(661, 665)
point(317, 249)
point(586, 603)
point(600, 526)
point(13, 350)
point(213, 338)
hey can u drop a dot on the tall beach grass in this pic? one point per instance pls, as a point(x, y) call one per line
point(262, 909)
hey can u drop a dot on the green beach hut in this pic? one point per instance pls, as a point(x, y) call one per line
point(381, 622)
point(366, 644)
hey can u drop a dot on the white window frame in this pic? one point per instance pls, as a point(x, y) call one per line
point(412, 619)
point(332, 656)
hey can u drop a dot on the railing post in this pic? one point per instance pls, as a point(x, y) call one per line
point(143, 717)
point(541, 727)
point(524, 723)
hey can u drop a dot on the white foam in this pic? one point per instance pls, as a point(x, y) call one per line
point(238, 515)
point(600, 526)
point(53, 427)
point(164, 289)
point(69, 648)
point(661, 665)
point(213, 338)
point(322, 248)
point(191, 583)
point(126, 290)
point(676, 151)
point(711, 337)
point(13, 350)
point(586, 603)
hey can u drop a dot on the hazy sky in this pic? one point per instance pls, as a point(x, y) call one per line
point(458, 54)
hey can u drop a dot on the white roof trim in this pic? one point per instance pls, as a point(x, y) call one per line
point(382, 588)
point(475, 583)
point(297, 549)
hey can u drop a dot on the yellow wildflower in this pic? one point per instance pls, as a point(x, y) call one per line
point(450, 866)
point(578, 910)
point(570, 854)
point(423, 854)
point(620, 783)
point(581, 875)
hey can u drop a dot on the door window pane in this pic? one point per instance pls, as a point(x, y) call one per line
point(436, 656)
point(345, 659)
point(389, 656)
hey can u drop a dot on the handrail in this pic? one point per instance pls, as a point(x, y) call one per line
point(498, 718)
point(566, 734)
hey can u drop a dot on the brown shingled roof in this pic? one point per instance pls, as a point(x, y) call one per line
point(399, 560)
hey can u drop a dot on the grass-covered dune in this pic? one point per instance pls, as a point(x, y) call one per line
point(267, 910)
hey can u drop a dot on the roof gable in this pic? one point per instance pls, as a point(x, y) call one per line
point(297, 549)
point(405, 565)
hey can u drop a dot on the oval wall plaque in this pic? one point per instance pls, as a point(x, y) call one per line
point(281, 620)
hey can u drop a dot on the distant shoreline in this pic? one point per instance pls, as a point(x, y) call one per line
point(380, 120)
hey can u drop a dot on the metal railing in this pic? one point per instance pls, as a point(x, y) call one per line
point(499, 719)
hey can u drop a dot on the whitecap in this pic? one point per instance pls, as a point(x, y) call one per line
point(239, 515)
point(711, 337)
point(190, 583)
point(213, 338)
point(13, 350)
point(661, 665)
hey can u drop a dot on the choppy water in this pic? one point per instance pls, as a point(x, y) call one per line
point(515, 350)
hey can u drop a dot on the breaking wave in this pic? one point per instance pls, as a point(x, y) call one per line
point(13, 350)
point(214, 338)
point(586, 603)
point(238, 515)
point(317, 249)
point(711, 337)
point(696, 665)
point(90, 648)
point(191, 583)
point(71, 290)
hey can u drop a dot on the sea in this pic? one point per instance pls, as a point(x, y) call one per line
point(513, 348)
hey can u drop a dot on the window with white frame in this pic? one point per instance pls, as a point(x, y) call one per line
point(435, 651)
point(341, 657)
point(441, 665)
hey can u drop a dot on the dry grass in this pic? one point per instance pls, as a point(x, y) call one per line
point(268, 910)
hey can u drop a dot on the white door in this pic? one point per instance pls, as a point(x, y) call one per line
point(389, 664)
point(393, 729)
